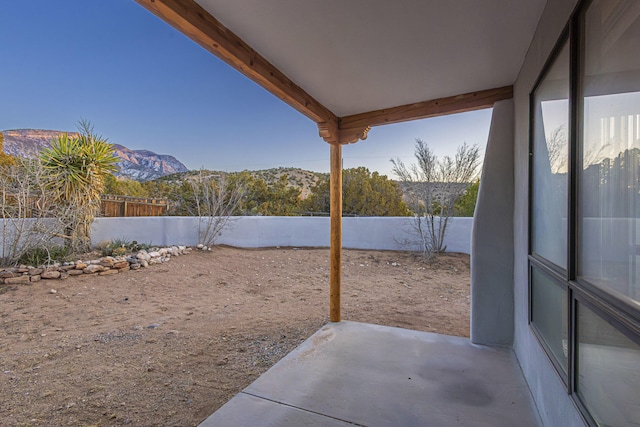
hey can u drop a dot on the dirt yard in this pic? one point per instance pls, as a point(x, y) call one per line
point(168, 345)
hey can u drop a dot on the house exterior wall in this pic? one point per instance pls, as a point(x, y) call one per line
point(554, 405)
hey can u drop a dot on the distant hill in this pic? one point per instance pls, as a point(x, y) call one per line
point(141, 165)
point(296, 177)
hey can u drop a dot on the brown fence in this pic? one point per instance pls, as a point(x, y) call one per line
point(114, 206)
point(20, 206)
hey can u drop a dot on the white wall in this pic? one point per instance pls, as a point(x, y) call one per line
point(385, 233)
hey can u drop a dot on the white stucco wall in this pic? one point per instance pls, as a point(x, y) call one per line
point(385, 233)
point(554, 405)
point(492, 237)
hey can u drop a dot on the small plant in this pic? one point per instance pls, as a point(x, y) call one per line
point(121, 246)
point(113, 247)
point(135, 246)
point(44, 256)
point(119, 251)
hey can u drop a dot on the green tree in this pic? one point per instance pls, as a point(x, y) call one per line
point(277, 199)
point(75, 168)
point(363, 193)
point(5, 159)
point(281, 199)
point(124, 187)
point(466, 204)
point(158, 188)
point(259, 197)
point(183, 198)
point(318, 200)
point(256, 193)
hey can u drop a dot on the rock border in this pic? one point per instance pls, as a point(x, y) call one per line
point(24, 274)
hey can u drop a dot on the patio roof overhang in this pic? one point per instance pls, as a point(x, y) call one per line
point(366, 62)
point(352, 65)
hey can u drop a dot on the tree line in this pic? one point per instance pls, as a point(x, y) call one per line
point(365, 193)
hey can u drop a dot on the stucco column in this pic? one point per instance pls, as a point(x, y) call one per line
point(492, 236)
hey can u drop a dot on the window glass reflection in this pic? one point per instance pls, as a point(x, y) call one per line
point(609, 180)
point(608, 376)
point(549, 314)
point(550, 162)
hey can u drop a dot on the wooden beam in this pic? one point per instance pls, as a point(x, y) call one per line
point(335, 194)
point(195, 22)
point(422, 110)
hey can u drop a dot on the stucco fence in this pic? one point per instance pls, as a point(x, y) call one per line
point(384, 233)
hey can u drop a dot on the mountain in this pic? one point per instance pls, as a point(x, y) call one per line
point(145, 165)
point(141, 165)
point(28, 142)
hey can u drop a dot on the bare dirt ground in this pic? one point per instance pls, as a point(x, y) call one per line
point(168, 345)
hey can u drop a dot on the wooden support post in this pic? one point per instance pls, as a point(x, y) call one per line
point(336, 231)
point(332, 134)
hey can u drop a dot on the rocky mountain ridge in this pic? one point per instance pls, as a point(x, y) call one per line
point(141, 165)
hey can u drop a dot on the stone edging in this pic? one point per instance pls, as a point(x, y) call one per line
point(101, 266)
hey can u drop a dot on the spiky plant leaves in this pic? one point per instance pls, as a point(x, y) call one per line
point(76, 168)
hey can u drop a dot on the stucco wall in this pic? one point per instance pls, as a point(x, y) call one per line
point(554, 405)
point(492, 237)
point(386, 233)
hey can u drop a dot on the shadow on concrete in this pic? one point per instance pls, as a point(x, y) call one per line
point(359, 374)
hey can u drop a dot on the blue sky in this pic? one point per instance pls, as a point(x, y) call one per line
point(146, 86)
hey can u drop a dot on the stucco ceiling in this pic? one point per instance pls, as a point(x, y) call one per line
point(362, 55)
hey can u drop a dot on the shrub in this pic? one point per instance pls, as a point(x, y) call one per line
point(75, 167)
point(432, 187)
point(44, 256)
point(121, 246)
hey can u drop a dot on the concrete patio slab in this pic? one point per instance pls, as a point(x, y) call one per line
point(351, 373)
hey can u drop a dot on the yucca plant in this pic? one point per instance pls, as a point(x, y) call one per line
point(76, 167)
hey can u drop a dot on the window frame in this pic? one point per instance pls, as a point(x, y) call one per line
point(565, 377)
point(621, 313)
point(556, 273)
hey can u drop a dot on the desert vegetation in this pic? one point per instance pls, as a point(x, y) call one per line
point(436, 189)
point(59, 193)
point(49, 202)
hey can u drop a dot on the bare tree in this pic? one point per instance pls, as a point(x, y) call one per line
point(216, 199)
point(432, 186)
point(558, 148)
point(30, 219)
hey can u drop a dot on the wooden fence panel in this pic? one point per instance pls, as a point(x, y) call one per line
point(121, 206)
point(110, 206)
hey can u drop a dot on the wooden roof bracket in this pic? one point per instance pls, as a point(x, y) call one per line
point(333, 134)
